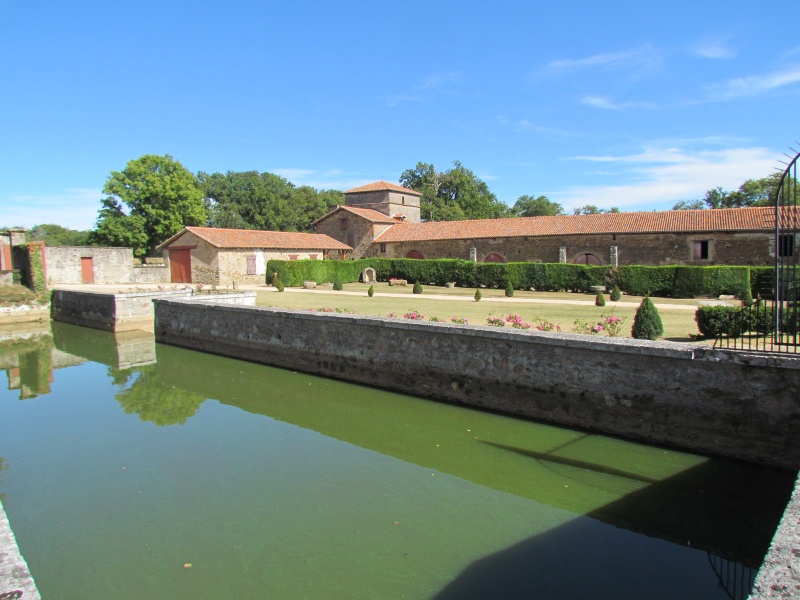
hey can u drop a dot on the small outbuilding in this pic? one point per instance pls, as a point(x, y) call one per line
point(222, 256)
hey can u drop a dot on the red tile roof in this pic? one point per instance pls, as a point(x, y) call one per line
point(253, 238)
point(366, 213)
point(724, 219)
point(381, 186)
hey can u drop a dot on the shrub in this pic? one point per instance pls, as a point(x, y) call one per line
point(600, 299)
point(616, 295)
point(509, 290)
point(371, 291)
point(417, 287)
point(647, 323)
point(477, 295)
point(279, 285)
point(545, 325)
point(612, 323)
point(581, 326)
point(337, 285)
point(414, 315)
point(517, 322)
point(496, 322)
point(713, 321)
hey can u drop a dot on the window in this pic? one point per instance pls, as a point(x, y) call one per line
point(701, 248)
point(342, 223)
point(786, 245)
point(313, 256)
point(293, 257)
point(251, 264)
point(383, 248)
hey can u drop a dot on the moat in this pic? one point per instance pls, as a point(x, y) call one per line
point(136, 470)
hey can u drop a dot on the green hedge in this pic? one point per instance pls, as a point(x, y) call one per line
point(668, 281)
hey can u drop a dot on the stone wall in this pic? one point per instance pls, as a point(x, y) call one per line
point(109, 265)
point(657, 392)
point(358, 234)
point(387, 202)
point(632, 249)
point(126, 311)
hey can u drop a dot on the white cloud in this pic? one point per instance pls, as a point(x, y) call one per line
point(607, 104)
point(711, 48)
point(667, 175)
point(527, 126)
point(74, 208)
point(433, 83)
point(756, 84)
point(438, 80)
point(644, 56)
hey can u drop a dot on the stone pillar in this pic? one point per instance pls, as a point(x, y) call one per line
point(473, 254)
point(562, 254)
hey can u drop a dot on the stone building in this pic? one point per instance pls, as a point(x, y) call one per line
point(223, 256)
point(371, 220)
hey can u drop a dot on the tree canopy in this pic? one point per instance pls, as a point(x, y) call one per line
point(591, 209)
point(452, 195)
point(56, 235)
point(753, 192)
point(541, 206)
point(253, 200)
point(153, 198)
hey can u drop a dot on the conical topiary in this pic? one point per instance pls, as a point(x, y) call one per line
point(371, 291)
point(600, 299)
point(647, 323)
point(417, 287)
point(337, 285)
point(616, 295)
point(278, 284)
point(477, 295)
point(509, 289)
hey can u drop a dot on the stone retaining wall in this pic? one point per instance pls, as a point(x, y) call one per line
point(685, 396)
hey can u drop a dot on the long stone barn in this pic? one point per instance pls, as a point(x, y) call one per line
point(383, 219)
point(221, 256)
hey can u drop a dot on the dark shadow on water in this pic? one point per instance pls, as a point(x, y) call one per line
point(675, 520)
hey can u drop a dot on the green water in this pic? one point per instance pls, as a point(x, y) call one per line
point(124, 462)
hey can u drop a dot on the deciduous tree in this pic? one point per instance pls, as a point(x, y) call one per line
point(541, 206)
point(151, 199)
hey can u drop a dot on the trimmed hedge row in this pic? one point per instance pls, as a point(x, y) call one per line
point(734, 321)
point(668, 281)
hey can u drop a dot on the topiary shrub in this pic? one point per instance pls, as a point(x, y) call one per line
point(600, 299)
point(417, 287)
point(337, 285)
point(616, 295)
point(278, 284)
point(477, 295)
point(509, 290)
point(647, 323)
point(371, 291)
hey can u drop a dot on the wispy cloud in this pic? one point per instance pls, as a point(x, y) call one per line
point(527, 126)
point(74, 208)
point(756, 84)
point(643, 57)
point(437, 82)
point(660, 175)
point(713, 48)
point(326, 179)
point(608, 104)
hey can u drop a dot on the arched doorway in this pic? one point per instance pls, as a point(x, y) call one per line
point(494, 257)
point(415, 254)
point(588, 259)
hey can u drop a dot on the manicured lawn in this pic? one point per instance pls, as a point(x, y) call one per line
point(678, 321)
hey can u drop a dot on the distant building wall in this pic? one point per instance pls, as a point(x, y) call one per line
point(631, 249)
point(350, 229)
point(387, 202)
point(108, 265)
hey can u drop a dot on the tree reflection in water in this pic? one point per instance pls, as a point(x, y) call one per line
point(159, 402)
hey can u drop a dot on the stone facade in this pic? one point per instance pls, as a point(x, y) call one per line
point(224, 266)
point(389, 202)
point(631, 249)
point(352, 229)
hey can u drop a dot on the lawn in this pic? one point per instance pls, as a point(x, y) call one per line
point(558, 308)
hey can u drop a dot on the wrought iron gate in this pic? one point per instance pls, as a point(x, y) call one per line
point(772, 322)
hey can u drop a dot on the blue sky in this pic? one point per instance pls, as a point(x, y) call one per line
point(629, 104)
